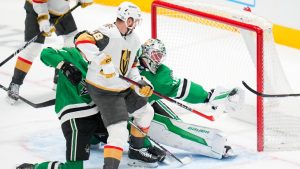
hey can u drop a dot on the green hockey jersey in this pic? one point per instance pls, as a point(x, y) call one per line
point(164, 83)
point(71, 101)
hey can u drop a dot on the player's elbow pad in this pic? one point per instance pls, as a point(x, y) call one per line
point(95, 37)
point(101, 39)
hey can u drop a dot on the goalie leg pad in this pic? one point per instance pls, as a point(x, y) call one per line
point(192, 138)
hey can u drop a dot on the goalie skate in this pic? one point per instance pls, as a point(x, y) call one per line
point(228, 152)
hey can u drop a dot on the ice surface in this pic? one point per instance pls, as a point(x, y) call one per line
point(33, 135)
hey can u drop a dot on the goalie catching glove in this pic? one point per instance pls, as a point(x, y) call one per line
point(71, 72)
point(145, 89)
point(222, 100)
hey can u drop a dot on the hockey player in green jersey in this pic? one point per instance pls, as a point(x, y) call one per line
point(174, 132)
point(78, 115)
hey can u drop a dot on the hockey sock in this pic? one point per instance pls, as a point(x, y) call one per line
point(137, 138)
point(21, 69)
point(112, 157)
point(147, 142)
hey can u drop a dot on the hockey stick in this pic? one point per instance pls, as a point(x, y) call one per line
point(183, 161)
point(35, 38)
point(211, 118)
point(35, 105)
point(267, 95)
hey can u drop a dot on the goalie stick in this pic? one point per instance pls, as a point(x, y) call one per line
point(183, 161)
point(35, 105)
point(267, 95)
point(34, 38)
point(211, 118)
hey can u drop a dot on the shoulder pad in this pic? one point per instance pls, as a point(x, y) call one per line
point(77, 35)
point(84, 36)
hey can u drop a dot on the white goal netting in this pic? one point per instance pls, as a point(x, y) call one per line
point(216, 52)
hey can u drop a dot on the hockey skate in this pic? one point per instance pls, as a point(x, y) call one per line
point(228, 152)
point(25, 166)
point(142, 158)
point(13, 93)
point(161, 154)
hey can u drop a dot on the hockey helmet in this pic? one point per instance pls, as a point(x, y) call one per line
point(129, 10)
point(153, 53)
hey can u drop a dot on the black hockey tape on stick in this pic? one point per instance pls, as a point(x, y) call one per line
point(183, 161)
point(34, 105)
point(211, 118)
point(267, 95)
point(34, 38)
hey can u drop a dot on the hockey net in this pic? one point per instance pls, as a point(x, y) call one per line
point(216, 46)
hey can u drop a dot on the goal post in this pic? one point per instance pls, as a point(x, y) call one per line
point(188, 27)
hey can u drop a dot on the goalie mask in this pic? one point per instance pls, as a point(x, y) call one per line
point(153, 53)
point(128, 10)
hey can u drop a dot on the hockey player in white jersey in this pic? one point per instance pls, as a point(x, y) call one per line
point(114, 48)
point(40, 14)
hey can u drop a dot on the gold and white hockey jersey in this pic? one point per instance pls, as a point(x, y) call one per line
point(55, 7)
point(122, 51)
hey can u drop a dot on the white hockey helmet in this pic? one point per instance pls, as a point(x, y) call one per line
point(129, 10)
point(152, 54)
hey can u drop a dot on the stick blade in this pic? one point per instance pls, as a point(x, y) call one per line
point(170, 161)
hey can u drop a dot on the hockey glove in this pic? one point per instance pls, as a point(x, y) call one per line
point(44, 25)
point(145, 90)
point(229, 100)
point(235, 100)
point(85, 3)
point(71, 72)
